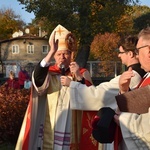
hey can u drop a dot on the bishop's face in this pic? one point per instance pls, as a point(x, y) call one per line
point(63, 57)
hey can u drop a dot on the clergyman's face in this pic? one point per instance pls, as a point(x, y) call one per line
point(63, 57)
point(144, 54)
point(123, 55)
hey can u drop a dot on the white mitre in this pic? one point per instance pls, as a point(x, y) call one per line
point(66, 41)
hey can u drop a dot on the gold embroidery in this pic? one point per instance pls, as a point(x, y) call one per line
point(85, 130)
point(94, 142)
point(60, 31)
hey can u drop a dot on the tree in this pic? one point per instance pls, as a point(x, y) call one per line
point(142, 19)
point(9, 23)
point(85, 18)
point(104, 47)
point(133, 20)
point(38, 24)
point(142, 22)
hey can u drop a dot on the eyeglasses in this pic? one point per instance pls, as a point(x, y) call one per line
point(121, 52)
point(137, 49)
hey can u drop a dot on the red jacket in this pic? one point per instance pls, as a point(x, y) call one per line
point(12, 83)
point(22, 76)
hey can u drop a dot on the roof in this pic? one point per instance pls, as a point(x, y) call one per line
point(25, 36)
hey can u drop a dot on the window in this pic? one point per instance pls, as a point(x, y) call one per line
point(15, 49)
point(45, 49)
point(30, 49)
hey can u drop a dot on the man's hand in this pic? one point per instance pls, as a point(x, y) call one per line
point(116, 119)
point(65, 80)
point(53, 48)
point(124, 80)
point(74, 69)
point(53, 44)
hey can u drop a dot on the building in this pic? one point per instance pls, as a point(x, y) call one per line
point(22, 49)
point(28, 50)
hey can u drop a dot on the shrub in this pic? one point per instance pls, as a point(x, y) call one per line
point(13, 104)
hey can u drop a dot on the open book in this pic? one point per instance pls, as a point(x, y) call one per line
point(135, 101)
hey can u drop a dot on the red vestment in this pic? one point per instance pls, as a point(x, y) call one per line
point(144, 82)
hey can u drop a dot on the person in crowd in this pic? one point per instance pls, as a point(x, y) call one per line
point(12, 82)
point(135, 128)
point(27, 84)
point(23, 76)
point(95, 97)
point(51, 124)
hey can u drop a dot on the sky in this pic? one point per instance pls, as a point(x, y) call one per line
point(17, 8)
point(27, 17)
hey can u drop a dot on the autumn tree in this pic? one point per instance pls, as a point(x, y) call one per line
point(103, 47)
point(84, 18)
point(142, 22)
point(9, 23)
point(133, 20)
point(39, 24)
point(142, 19)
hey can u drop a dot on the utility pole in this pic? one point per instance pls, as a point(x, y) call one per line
point(1, 64)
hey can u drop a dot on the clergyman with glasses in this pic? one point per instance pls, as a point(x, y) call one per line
point(93, 98)
point(136, 127)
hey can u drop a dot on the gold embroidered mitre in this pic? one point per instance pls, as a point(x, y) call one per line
point(66, 40)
